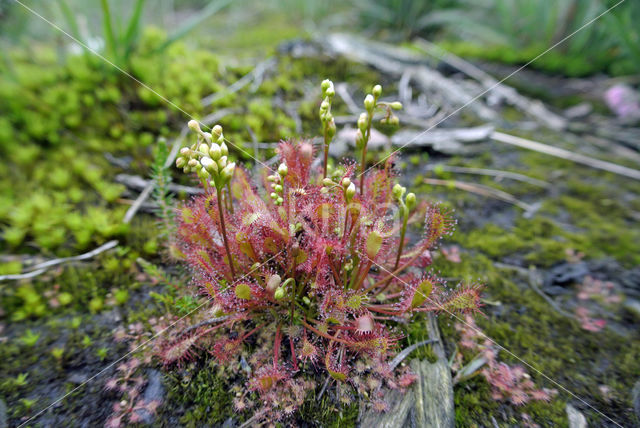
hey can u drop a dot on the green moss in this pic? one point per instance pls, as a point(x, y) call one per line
point(204, 394)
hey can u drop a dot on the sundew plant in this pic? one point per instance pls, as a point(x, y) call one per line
point(308, 278)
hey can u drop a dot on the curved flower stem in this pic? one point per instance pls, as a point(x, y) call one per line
point(364, 155)
point(224, 231)
point(403, 231)
point(325, 335)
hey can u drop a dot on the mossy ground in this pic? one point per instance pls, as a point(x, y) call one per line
point(60, 122)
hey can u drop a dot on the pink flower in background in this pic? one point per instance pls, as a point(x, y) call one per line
point(623, 101)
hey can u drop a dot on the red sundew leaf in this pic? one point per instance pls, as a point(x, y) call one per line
point(298, 157)
point(266, 378)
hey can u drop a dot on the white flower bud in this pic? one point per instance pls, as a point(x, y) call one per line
point(209, 165)
point(222, 162)
point(224, 149)
point(215, 152)
point(181, 162)
point(362, 122)
point(411, 200)
point(194, 126)
point(396, 105)
point(398, 191)
point(377, 91)
point(346, 182)
point(207, 137)
point(273, 282)
point(203, 148)
point(331, 128)
point(369, 102)
point(227, 172)
point(327, 182)
point(283, 170)
point(185, 151)
point(350, 192)
point(217, 131)
point(359, 139)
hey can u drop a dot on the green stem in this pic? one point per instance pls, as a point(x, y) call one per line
point(326, 152)
point(224, 231)
point(364, 152)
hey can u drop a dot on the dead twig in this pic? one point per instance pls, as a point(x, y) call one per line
point(254, 75)
point(533, 108)
point(204, 323)
point(490, 172)
point(566, 154)
point(342, 89)
point(482, 190)
point(42, 267)
point(136, 182)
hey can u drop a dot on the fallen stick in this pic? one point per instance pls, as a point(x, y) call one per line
point(533, 108)
point(136, 182)
point(479, 189)
point(42, 267)
point(396, 61)
point(490, 172)
point(566, 154)
point(253, 75)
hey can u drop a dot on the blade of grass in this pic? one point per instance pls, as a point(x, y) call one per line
point(196, 20)
point(108, 30)
point(133, 29)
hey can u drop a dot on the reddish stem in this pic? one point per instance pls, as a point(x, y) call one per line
point(276, 347)
point(325, 335)
point(293, 354)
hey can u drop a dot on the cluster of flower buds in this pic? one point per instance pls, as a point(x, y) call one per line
point(328, 124)
point(277, 181)
point(370, 104)
point(208, 157)
point(406, 203)
point(347, 186)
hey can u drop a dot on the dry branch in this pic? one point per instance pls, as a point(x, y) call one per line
point(533, 108)
point(396, 61)
point(565, 154)
point(490, 172)
point(42, 267)
point(482, 190)
point(254, 75)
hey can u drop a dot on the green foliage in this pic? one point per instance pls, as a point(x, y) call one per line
point(518, 31)
point(400, 19)
point(29, 338)
point(161, 175)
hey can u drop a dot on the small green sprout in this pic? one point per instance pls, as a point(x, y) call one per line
point(29, 338)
